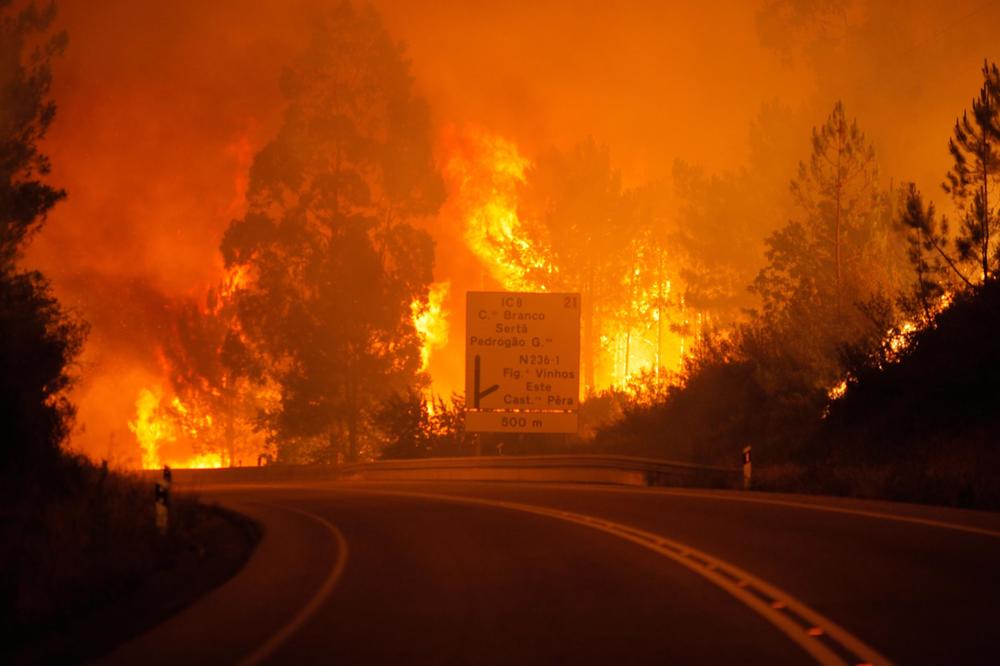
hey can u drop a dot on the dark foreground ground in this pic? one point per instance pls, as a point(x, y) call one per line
point(457, 573)
point(109, 590)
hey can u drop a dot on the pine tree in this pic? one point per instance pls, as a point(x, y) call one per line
point(824, 269)
point(974, 179)
point(573, 206)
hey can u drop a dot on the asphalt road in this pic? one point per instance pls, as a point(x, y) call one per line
point(495, 573)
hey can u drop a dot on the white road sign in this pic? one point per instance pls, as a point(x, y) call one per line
point(522, 362)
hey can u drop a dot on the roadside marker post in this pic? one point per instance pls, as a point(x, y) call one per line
point(162, 499)
point(746, 468)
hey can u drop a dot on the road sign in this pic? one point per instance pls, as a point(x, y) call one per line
point(500, 421)
point(522, 358)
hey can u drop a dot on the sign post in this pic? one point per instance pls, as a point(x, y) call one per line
point(522, 362)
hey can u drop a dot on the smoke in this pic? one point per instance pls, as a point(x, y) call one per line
point(162, 106)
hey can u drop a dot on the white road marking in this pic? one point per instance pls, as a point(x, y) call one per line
point(733, 496)
point(880, 515)
point(314, 603)
point(753, 592)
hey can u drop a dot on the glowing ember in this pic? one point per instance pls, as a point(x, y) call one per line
point(838, 391)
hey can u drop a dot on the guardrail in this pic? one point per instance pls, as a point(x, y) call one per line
point(620, 470)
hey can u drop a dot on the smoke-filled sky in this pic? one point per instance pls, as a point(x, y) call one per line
point(162, 105)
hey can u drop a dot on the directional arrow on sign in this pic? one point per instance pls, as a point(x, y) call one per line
point(477, 394)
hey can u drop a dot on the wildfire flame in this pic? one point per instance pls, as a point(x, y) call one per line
point(484, 173)
point(431, 321)
point(148, 428)
point(185, 432)
point(898, 339)
point(156, 425)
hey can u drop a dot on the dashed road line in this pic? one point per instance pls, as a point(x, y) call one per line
point(823, 639)
point(758, 498)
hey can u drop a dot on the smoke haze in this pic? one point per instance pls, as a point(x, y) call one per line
point(162, 107)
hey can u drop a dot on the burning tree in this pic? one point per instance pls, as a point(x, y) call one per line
point(572, 206)
point(566, 223)
point(218, 396)
point(333, 260)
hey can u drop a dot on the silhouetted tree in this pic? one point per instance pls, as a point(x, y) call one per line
point(837, 191)
point(929, 250)
point(25, 116)
point(572, 205)
point(825, 268)
point(220, 398)
point(332, 257)
point(719, 248)
point(654, 306)
point(405, 424)
point(38, 340)
point(722, 219)
point(974, 179)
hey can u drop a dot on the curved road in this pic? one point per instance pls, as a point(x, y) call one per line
point(497, 573)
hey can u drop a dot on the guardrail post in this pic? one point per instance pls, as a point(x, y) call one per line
point(746, 468)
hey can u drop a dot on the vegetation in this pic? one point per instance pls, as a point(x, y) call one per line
point(74, 536)
point(867, 369)
point(39, 339)
point(333, 259)
point(84, 566)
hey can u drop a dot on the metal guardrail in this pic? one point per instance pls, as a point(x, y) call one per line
point(595, 468)
point(601, 468)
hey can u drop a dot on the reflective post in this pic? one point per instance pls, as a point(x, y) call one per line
point(162, 495)
point(746, 468)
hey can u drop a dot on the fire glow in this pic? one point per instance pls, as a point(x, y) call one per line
point(157, 425)
point(431, 321)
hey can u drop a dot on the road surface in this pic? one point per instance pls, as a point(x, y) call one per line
point(503, 573)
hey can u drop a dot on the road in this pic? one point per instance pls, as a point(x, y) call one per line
point(501, 573)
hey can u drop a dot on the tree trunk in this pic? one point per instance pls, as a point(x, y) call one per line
point(588, 333)
point(352, 420)
point(986, 206)
point(837, 222)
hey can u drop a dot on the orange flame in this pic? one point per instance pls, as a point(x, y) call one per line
point(636, 340)
point(155, 426)
point(149, 429)
point(484, 174)
point(431, 321)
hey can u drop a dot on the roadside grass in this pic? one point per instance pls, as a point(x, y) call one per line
point(84, 567)
point(959, 474)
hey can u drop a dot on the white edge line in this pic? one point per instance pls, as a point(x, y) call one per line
point(818, 651)
point(927, 522)
point(307, 611)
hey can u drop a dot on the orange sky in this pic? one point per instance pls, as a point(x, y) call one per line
point(161, 107)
